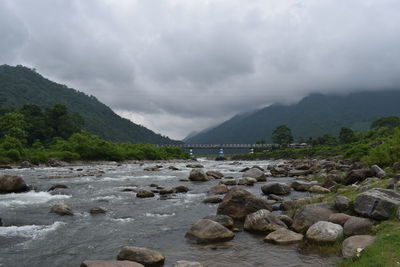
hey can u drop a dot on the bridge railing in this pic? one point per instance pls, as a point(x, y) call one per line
point(217, 146)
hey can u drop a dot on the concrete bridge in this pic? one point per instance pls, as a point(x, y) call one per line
point(218, 146)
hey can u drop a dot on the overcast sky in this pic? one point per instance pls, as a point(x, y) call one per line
point(177, 66)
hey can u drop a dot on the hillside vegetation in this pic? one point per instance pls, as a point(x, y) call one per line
point(313, 116)
point(20, 85)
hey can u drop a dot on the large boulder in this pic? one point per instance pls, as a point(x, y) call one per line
point(355, 244)
point(198, 175)
point(208, 231)
point(255, 173)
point(238, 203)
point(187, 264)
point(357, 226)
point(358, 175)
point(324, 232)
point(12, 184)
point(224, 220)
point(310, 214)
point(263, 221)
point(145, 256)
point(283, 236)
point(105, 263)
point(276, 188)
point(61, 209)
point(377, 203)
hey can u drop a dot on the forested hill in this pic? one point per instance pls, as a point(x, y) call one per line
point(313, 116)
point(20, 85)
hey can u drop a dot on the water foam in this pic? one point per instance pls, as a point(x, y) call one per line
point(28, 198)
point(29, 231)
point(147, 214)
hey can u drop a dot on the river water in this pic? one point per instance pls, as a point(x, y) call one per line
point(31, 236)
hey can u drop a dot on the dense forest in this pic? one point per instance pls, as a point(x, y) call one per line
point(20, 85)
point(36, 135)
point(313, 116)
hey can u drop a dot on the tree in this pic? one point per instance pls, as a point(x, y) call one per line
point(63, 124)
point(13, 124)
point(282, 135)
point(326, 139)
point(37, 123)
point(389, 122)
point(346, 135)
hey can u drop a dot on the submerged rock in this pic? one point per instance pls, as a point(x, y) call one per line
point(145, 256)
point(97, 210)
point(197, 175)
point(187, 264)
point(208, 231)
point(57, 186)
point(142, 193)
point(283, 236)
point(12, 184)
point(181, 189)
point(194, 165)
point(105, 263)
point(238, 203)
point(61, 209)
point(355, 244)
point(212, 200)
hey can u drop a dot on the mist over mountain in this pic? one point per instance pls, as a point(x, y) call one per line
point(20, 85)
point(314, 115)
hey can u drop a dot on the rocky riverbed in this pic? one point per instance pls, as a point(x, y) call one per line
point(108, 214)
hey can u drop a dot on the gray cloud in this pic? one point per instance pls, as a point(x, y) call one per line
point(178, 66)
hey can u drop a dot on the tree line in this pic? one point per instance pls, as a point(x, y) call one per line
point(35, 134)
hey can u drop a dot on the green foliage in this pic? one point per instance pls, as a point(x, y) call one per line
point(20, 85)
point(325, 140)
point(346, 136)
point(282, 135)
point(389, 122)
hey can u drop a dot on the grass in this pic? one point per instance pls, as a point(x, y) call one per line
point(384, 252)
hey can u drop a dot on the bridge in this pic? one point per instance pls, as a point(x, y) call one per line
point(219, 146)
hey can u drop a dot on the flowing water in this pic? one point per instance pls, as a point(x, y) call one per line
point(31, 236)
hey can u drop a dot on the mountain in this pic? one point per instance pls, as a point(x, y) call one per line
point(20, 85)
point(313, 116)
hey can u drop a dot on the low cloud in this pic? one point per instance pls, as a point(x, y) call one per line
point(179, 66)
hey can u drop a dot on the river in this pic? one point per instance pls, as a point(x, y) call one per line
point(31, 236)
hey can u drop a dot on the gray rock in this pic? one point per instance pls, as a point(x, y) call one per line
point(55, 163)
point(377, 203)
point(142, 193)
point(342, 203)
point(355, 244)
point(12, 184)
point(247, 181)
point(283, 236)
point(181, 189)
point(392, 182)
point(193, 166)
point(263, 221)
point(166, 191)
point(286, 219)
point(275, 197)
point(378, 171)
point(229, 182)
point(357, 226)
point(215, 174)
point(238, 203)
point(61, 209)
point(301, 185)
point(57, 186)
point(97, 210)
point(25, 164)
point(224, 220)
point(256, 174)
point(218, 189)
point(324, 232)
point(144, 256)
point(318, 189)
point(213, 200)
point(293, 173)
point(276, 188)
point(310, 214)
point(208, 231)
point(198, 176)
point(358, 176)
point(173, 168)
point(339, 218)
point(187, 264)
point(110, 263)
